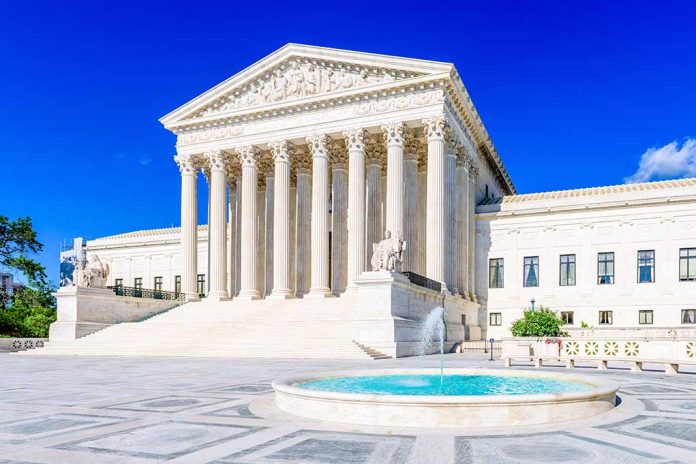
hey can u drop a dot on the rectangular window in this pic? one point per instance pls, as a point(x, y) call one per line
point(495, 319)
point(531, 271)
point(118, 282)
point(605, 268)
point(495, 273)
point(177, 285)
point(646, 266)
point(201, 285)
point(158, 284)
point(567, 317)
point(687, 264)
point(688, 316)
point(606, 318)
point(645, 316)
point(567, 270)
point(138, 286)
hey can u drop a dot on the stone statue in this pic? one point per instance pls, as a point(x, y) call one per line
point(92, 273)
point(388, 254)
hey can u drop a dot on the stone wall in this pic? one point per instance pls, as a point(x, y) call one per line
point(82, 311)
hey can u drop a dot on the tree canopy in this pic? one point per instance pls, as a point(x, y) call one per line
point(17, 243)
point(542, 322)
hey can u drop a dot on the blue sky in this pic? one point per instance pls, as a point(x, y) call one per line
point(572, 93)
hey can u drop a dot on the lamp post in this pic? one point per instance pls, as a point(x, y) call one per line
point(532, 302)
point(491, 340)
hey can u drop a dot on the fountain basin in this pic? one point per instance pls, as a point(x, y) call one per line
point(502, 406)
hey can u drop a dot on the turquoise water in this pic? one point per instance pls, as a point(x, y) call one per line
point(452, 385)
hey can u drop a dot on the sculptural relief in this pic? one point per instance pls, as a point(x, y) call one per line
point(388, 255)
point(91, 273)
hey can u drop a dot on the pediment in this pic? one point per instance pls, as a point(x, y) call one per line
point(297, 72)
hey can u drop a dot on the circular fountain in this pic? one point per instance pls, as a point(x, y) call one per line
point(459, 398)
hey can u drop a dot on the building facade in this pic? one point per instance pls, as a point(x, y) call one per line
point(311, 154)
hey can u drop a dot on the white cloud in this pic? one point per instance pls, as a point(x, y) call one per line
point(145, 161)
point(667, 162)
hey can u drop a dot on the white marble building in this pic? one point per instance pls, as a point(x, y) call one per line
point(311, 154)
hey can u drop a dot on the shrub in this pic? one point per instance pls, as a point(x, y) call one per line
point(542, 322)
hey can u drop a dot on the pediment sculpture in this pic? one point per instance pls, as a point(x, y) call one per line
point(298, 80)
point(91, 273)
point(388, 255)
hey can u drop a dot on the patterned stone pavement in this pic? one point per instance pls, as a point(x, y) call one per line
point(181, 410)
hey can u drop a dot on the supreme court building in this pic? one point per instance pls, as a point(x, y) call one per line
point(311, 154)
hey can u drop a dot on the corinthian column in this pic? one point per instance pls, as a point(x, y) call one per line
point(355, 141)
point(410, 203)
point(394, 137)
point(303, 255)
point(318, 145)
point(373, 199)
point(217, 226)
point(281, 220)
point(339, 180)
point(450, 216)
point(462, 211)
point(473, 175)
point(249, 238)
point(435, 228)
point(188, 166)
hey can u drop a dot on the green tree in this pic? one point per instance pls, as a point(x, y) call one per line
point(542, 322)
point(17, 242)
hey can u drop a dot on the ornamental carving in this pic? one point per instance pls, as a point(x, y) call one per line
point(319, 145)
point(399, 102)
point(188, 164)
point(297, 79)
point(394, 133)
point(281, 150)
point(302, 160)
point(215, 159)
point(338, 153)
point(355, 139)
point(434, 127)
point(248, 155)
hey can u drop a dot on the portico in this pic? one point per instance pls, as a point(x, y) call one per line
point(321, 152)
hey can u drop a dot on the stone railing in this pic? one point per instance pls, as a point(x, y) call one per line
point(671, 352)
point(21, 344)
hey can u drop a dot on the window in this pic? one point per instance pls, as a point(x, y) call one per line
point(495, 319)
point(646, 266)
point(201, 284)
point(531, 271)
point(177, 285)
point(495, 273)
point(158, 284)
point(687, 264)
point(605, 268)
point(567, 317)
point(645, 316)
point(605, 318)
point(138, 285)
point(688, 316)
point(118, 282)
point(567, 270)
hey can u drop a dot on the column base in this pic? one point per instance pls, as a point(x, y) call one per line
point(217, 296)
point(191, 297)
point(322, 292)
point(280, 294)
point(249, 295)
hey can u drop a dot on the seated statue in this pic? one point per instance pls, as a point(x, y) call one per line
point(388, 254)
point(92, 273)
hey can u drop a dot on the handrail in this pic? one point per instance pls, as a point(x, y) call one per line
point(120, 290)
point(423, 281)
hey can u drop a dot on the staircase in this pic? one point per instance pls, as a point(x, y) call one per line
point(300, 328)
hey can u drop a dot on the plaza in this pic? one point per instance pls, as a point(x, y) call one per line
point(210, 410)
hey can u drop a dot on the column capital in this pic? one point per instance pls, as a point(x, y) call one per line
point(394, 133)
point(281, 150)
point(319, 145)
point(434, 127)
point(248, 155)
point(338, 154)
point(188, 164)
point(216, 160)
point(473, 171)
point(355, 138)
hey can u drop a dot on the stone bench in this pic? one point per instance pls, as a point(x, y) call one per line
point(671, 366)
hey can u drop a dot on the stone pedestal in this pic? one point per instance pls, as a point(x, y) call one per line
point(84, 310)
